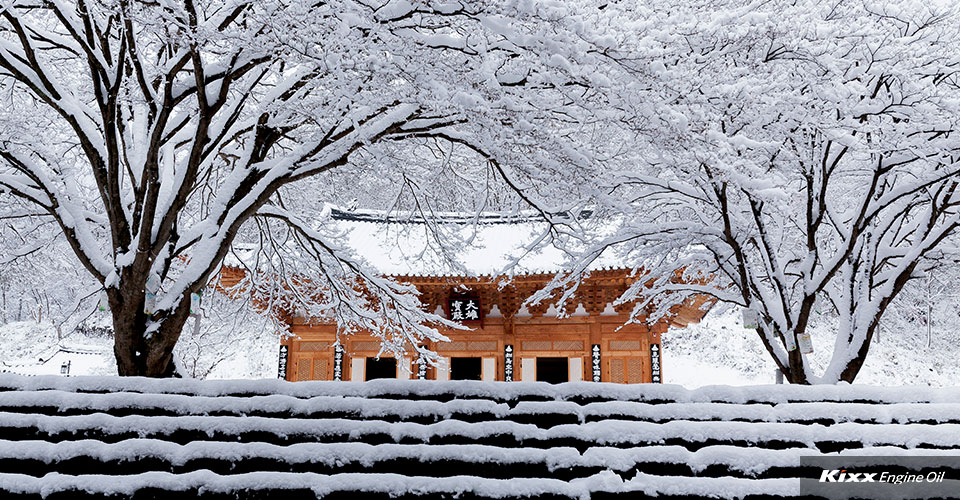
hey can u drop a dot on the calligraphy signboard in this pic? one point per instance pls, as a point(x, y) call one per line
point(655, 363)
point(464, 308)
point(422, 366)
point(595, 359)
point(282, 372)
point(338, 363)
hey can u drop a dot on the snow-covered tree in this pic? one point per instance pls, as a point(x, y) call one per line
point(39, 280)
point(153, 133)
point(789, 156)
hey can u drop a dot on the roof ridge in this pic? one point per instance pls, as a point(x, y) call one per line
point(385, 217)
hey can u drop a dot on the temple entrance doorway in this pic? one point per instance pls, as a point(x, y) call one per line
point(465, 369)
point(553, 370)
point(381, 368)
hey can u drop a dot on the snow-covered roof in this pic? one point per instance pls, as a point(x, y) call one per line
point(449, 243)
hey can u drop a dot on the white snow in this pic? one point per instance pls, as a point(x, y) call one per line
point(719, 351)
point(497, 391)
point(31, 348)
point(620, 428)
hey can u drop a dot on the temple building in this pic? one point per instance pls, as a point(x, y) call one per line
point(507, 341)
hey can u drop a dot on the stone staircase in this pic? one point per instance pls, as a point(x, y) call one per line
point(66, 438)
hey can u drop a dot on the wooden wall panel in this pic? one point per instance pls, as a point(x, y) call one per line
point(627, 369)
point(536, 345)
point(618, 373)
point(625, 345)
point(313, 346)
point(303, 369)
point(320, 370)
point(634, 370)
point(572, 326)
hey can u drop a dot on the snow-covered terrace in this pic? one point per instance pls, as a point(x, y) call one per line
point(92, 437)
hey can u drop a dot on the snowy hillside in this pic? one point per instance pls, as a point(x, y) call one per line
point(719, 350)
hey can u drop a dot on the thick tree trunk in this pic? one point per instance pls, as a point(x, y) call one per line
point(139, 353)
point(797, 374)
point(793, 371)
point(850, 372)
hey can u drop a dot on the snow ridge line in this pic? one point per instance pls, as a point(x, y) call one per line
point(393, 484)
point(356, 407)
point(476, 440)
point(607, 432)
point(367, 455)
point(495, 391)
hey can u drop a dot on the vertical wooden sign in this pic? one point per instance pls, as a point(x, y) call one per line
point(655, 364)
point(282, 370)
point(338, 363)
point(595, 358)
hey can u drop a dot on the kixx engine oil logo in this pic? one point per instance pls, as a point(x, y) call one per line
point(848, 476)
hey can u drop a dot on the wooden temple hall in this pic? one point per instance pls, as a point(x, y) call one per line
point(507, 342)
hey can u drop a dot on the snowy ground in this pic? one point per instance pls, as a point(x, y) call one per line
point(30, 348)
point(719, 350)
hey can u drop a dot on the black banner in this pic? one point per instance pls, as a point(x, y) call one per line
point(595, 352)
point(464, 308)
point(338, 363)
point(422, 366)
point(282, 371)
point(508, 363)
point(655, 364)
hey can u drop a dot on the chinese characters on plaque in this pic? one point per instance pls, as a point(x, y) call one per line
point(282, 372)
point(595, 352)
point(655, 363)
point(338, 362)
point(508, 363)
point(464, 308)
point(422, 366)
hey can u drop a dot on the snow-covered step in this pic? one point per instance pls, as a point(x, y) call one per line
point(54, 402)
point(508, 392)
point(541, 413)
point(137, 456)
point(88, 438)
point(805, 412)
point(620, 433)
point(269, 485)
point(206, 484)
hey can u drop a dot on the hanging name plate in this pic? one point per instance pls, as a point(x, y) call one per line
point(806, 343)
point(790, 341)
point(464, 308)
point(195, 303)
point(103, 303)
point(508, 363)
point(750, 319)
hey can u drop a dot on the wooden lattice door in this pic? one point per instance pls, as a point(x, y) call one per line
point(626, 370)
